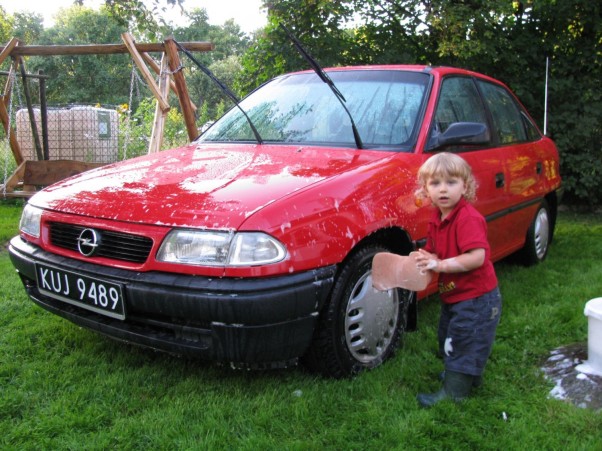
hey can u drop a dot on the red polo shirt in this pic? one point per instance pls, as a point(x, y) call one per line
point(462, 230)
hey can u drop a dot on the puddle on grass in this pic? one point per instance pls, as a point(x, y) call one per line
point(572, 385)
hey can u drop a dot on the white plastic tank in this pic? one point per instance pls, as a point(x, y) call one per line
point(593, 364)
point(81, 133)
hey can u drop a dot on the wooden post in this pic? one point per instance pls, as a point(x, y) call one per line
point(129, 42)
point(160, 114)
point(44, 112)
point(7, 50)
point(14, 180)
point(5, 119)
point(181, 89)
point(8, 87)
point(32, 116)
point(155, 67)
point(14, 145)
point(98, 49)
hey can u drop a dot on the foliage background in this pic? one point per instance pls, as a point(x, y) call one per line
point(511, 41)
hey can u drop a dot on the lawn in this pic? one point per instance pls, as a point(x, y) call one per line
point(63, 387)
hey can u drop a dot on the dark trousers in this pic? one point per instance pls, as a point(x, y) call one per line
point(467, 331)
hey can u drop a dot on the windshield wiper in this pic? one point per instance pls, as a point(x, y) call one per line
point(224, 89)
point(326, 79)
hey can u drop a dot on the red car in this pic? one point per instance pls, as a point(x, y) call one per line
point(252, 246)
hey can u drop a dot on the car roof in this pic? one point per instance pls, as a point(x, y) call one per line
point(439, 71)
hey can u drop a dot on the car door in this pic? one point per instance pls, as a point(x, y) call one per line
point(516, 138)
point(460, 101)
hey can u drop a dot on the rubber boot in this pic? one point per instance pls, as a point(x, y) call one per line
point(456, 387)
point(477, 381)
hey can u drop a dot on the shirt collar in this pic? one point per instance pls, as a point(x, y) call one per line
point(437, 215)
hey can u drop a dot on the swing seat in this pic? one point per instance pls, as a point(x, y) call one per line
point(32, 175)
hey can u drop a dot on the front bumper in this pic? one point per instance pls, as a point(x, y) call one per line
point(248, 322)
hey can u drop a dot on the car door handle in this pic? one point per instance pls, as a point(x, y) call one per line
point(499, 180)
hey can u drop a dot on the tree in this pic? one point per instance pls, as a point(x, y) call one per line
point(205, 92)
point(146, 17)
point(25, 26)
point(573, 34)
point(227, 39)
point(84, 79)
point(318, 24)
point(224, 62)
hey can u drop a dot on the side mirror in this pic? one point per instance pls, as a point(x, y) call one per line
point(461, 133)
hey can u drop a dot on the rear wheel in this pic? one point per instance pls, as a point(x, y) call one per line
point(539, 236)
point(360, 327)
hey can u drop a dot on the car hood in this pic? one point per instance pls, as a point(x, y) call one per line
point(205, 185)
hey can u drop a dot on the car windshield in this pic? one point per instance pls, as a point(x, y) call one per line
point(300, 108)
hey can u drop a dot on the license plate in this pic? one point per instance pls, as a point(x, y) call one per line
point(90, 293)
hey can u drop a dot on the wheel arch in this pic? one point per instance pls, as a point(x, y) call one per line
point(398, 241)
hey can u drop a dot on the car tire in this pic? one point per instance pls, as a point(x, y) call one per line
point(539, 236)
point(359, 327)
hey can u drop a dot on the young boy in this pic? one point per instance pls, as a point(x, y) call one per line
point(457, 249)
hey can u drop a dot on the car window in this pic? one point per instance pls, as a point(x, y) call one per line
point(508, 119)
point(385, 105)
point(459, 101)
point(533, 132)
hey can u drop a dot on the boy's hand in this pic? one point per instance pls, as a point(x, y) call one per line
point(426, 261)
point(468, 261)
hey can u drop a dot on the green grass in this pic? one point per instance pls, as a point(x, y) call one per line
point(10, 213)
point(63, 387)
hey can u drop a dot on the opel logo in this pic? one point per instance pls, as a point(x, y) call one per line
point(88, 242)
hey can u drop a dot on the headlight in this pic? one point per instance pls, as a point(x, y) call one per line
point(255, 249)
point(30, 221)
point(214, 248)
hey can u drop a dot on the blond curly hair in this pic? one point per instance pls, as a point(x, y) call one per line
point(447, 164)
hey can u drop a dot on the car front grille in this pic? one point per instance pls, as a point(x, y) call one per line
point(115, 245)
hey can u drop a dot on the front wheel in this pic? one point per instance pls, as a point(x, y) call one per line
point(360, 327)
point(539, 236)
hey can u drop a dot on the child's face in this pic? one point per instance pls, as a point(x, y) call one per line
point(445, 192)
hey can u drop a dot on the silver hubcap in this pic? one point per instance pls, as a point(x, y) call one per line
point(542, 233)
point(370, 320)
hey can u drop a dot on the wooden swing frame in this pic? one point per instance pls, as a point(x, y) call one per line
point(31, 175)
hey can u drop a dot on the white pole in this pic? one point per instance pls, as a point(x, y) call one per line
point(545, 107)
